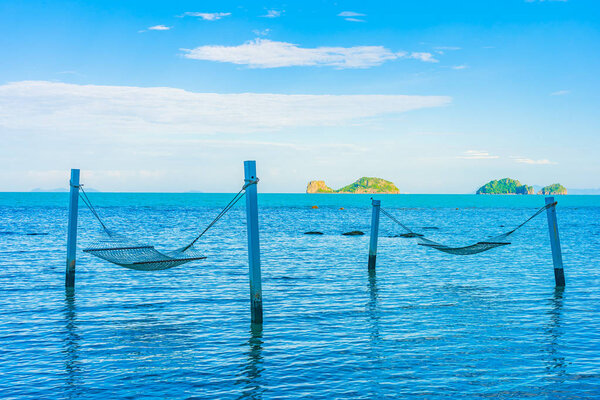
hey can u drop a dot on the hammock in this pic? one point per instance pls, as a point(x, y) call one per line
point(128, 253)
point(475, 248)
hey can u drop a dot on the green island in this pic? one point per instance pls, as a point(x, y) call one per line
point(362, 185)
point(513, 186)
point(505, 186)
point(555, 188)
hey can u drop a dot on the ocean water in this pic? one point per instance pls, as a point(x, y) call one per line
point(424, 325)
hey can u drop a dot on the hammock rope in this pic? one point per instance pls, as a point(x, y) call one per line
point(228, 207)
point(83, 195)
point(479, 247)
point(129, 253)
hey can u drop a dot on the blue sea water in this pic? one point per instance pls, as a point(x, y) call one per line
point(424, 325)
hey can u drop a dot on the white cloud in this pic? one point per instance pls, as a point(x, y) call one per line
point(560, 93)
point(477, 155)
point(264, 53)
point(354, 20)
point(423, 56)
point(272, 14)
point(459, 67)
point(159, 28)
point(117, 112)
point(523, 160)
point(350, 14)
point(206, 16)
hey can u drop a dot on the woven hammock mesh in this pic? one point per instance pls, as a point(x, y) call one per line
point(128, 253)
point(478, 247)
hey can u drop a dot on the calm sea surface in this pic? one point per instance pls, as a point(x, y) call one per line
point(426, 324)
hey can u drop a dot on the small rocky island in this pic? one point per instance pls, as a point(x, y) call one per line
point(553, 189)
point(505, 186)
point(513, 186)
point(362, 185)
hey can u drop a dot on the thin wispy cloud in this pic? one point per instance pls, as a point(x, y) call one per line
point(264, 53)
point(272, 14)
point(477, 155)
point(159, 28)
point(453, 48)
point(422, 56)
point(459, 67)
point(94, 111)
point(352, 16)
point(261, 32)
point(443, 49)
point(560, 93)
point(206, 16)
point(523, 160)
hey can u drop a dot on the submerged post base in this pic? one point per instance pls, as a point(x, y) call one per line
point(256, 312)
point(559, 277)
point(70, 275)
point(372, 261)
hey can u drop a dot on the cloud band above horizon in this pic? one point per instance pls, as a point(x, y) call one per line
point(64, 107)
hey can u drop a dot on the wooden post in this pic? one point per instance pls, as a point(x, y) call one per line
point(256, 309)
point(559, 273)
point(374, 233)
point(72, 228)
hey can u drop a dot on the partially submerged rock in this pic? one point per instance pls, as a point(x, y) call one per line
point(407, 235)
point(353, 233)
point(313, 233)
point(410, 235)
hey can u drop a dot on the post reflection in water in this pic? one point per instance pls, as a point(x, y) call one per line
point(374, 337)
point(372, 309)
point(556, 362)
point(252, 370)
point(71, 346)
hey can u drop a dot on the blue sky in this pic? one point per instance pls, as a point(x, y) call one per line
point(437, 96)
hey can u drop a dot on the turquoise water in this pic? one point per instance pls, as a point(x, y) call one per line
point(426, 324)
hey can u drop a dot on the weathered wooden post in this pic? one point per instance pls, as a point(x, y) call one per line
point(256, 309)
point(374, 233)
point(72, 228)
point(559, 273)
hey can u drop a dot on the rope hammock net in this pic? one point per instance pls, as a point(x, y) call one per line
point(475, 248)
point(128, 253)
